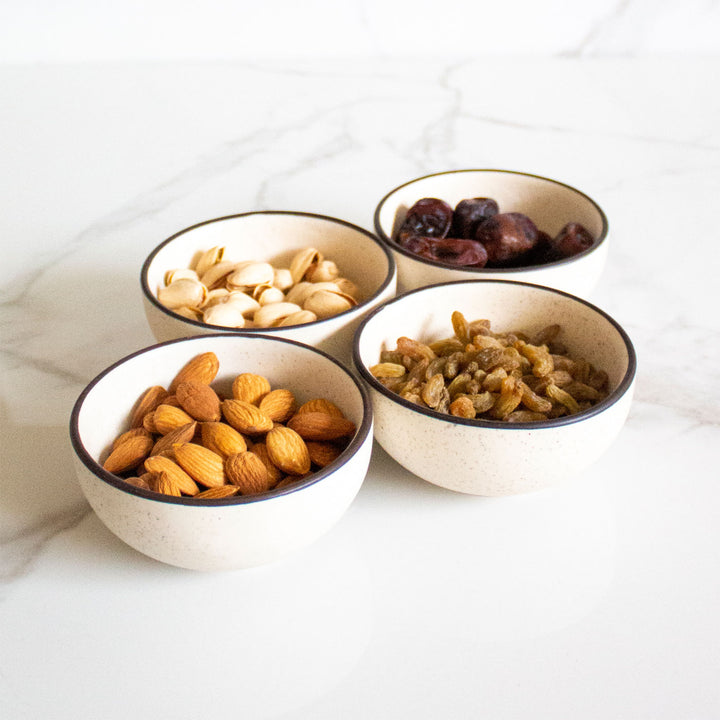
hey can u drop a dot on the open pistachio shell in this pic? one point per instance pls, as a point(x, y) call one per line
point(225, 314)
point(179, 274)
point(268, 294)
point(302, 262)
point(325, 303)
point(283, 279)
point(246, 304)
point(347, 287)
point(271, 315)
point(250, 274)
point(298, 293)
point(185, 292)
point(217, 273)
point(324, 271)
point(298, 318)
point(209, 258)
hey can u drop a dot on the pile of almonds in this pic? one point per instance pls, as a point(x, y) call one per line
point(219, 291)
point(188, 440)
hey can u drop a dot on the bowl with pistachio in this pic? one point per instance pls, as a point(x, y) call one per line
point(495, 387)
point(494, 224)
point(296, 275)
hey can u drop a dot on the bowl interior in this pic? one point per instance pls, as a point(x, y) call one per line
point(424, 315)
point(548, 203)
point(103, 411)
point(275, 237)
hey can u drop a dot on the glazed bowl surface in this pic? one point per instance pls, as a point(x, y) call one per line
point(492, 457)
point(274, 237)
point(549, 203)
point(233, 532)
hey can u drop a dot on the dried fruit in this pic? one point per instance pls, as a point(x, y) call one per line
point(482, 374)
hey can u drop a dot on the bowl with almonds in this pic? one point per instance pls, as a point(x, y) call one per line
point(493, 224)
point(222, 451)
point(495, 387)
point(296, 275)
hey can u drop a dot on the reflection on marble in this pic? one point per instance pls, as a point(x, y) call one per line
point(610, 582)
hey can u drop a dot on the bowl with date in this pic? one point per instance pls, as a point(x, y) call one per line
point(219, 452)
point(495, 224)
point(494, 387)
point(297, 275)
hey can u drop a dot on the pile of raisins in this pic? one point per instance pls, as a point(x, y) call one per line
point(477, 234)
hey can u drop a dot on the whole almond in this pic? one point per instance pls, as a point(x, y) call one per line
point(148, 423)
point(199, 401)
point(139, 482)
point(167, 485)
point(246, 471)
point(287, 450)
point(132, 432)
point(202, 465)
point(184, 433)
point(320, 426)
point(129, 453)
point(245, 417)
point(320, 405)
point(275, 473)
point(322, 453)
point(221, 491)
point(279, 405)
point(222, 438)
point(202, 368)
point(167, 418)
point(250, 387)
point(157, 464)
point(149, 400)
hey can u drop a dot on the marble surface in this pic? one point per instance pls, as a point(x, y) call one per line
point(598, 599)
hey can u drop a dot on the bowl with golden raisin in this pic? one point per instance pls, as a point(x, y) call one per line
point(220, 451)
point(297, 275)
point(493, 224)
point(495, 387)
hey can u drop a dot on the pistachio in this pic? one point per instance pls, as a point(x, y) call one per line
point(302, 262)
point(250, 274)
point(209, 258)
point(216, 273)
point(179, 274)
point(325, 270)
point(298, 318)
point(283, 279)
point(325, 303)
point(269, 294)
point(184, 292)
point(224, 313)
point(271, 315)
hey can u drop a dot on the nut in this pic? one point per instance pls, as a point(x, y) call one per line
point(320, 426)
point(287, 451)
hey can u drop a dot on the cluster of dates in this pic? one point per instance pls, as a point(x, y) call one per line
point(477, 234)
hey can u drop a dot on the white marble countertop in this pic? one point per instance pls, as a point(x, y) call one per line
point(598, 599)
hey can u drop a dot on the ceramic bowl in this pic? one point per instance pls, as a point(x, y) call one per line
point(275, 236)
point(233, 532)
point(550, 204)
point(484, 457)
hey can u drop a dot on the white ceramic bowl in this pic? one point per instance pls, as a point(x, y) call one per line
point(275, 236)
point(494, 457)
point(234, 532)
point(550, 204)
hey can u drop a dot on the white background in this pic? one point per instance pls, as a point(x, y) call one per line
point(80, 30)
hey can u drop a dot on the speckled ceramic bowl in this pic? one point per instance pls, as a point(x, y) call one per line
point(233, 532)
point(550, 204)
point(275, 236)
point(484, 457)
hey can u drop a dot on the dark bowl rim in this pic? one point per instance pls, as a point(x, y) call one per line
point(96, 469)
point(490, 272)
point(217, 329)
point(600, 407)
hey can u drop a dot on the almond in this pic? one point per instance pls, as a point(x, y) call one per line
point(167, 418)
point(202, 465)
point(149, 422)
point(202, 368)
point(278, 405)
point(275, 473)
point(221, 491)
point(320, 405)
point(184, 433)
point(222, 439)
point(132, 432)
point(245, 417)
point(167, 485)
point(157, 464)
point(149, 400)
point(199, 401)
point(322, 453)
point(246, 471)
point(320, 426)
point(128, 453)
point(250, 387)
point(139, 482)
point(287, 450)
